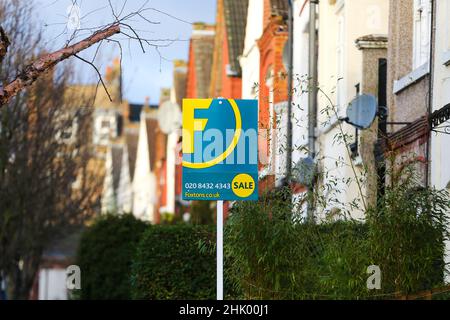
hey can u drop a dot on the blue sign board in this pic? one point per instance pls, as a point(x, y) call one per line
point(220, 149)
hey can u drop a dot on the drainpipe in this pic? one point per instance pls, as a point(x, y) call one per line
point(290, 80)
point(312, 107)
point(312, 95)
point(430, 94)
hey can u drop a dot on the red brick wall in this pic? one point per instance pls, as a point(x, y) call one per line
point(267, 13)
point(191, 84)
point(191, 92)
point(266, 184)
point(271, 46)
point(217, 70)
point(408, 146)
point(163, 184)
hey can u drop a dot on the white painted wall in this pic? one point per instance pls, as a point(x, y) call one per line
point(144, 182)
point(250, 59)
point(52, 284)
point(124, 191)
point(108, 201)
point(171, 158)
point(440, 151)
point(300, 70)
point(340, 69)
point(300, 96)
point(280, 142)
point(172, 140)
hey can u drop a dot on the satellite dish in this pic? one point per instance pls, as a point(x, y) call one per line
point(169, 117)
point(304, 171)
point(286, 55)
point(362, 111)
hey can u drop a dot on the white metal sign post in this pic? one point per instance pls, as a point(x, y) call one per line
point(219, 249)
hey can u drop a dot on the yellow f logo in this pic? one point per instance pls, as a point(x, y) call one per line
point(190, 124)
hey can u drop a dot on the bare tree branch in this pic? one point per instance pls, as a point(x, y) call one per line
point(31, 72)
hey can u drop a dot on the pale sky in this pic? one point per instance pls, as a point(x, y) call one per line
point(143, 73)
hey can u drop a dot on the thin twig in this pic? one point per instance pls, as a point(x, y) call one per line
point(98, 72)
point(135, 33)
point(346, 148)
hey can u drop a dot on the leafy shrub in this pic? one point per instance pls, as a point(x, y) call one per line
point(288, 259)
point(276, 255)
point(105, 254)
point(170, 218)
point(408, 230)
point(170, 265)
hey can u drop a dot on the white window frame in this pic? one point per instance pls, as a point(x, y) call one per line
point(421, 46)
point(421, 33)
point(447, 18)
point(446, 53)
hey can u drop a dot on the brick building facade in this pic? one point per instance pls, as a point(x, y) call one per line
point(272, 87)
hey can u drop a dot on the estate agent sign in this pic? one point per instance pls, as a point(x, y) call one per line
point(220, 149)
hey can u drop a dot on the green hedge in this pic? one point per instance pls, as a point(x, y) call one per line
point(170, 265)
point(289, 260)
point(270, 254)
point(274, 257)
point(105, 255)
point(407, 238)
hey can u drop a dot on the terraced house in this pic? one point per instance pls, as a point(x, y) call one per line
point(226, 71)
point(265, 38)
point(440, 106)
point(351, 45)
point(410, 82)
